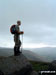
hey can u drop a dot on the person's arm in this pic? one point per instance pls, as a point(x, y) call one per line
point(18, 31)
point(21, 32)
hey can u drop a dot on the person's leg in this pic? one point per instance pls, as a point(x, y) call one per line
point(15, 52)
point(17, 48)
point(19, 45)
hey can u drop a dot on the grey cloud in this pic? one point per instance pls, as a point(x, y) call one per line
point(38, 19)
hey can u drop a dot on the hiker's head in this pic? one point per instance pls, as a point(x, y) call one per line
point(18, 23)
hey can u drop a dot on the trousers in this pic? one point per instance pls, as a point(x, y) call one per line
point(17, 48)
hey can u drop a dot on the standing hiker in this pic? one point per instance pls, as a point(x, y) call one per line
point(16, 31)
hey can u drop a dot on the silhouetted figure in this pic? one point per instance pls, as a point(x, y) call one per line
point(16, 31)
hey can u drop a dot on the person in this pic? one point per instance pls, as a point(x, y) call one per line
point(17, 39)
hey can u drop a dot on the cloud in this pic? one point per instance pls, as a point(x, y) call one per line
point(38, 19)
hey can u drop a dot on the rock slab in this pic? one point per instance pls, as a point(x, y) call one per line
point(16, 65)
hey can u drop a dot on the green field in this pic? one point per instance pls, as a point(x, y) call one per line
point(39, 66)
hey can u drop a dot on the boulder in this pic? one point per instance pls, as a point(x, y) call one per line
point(16, 65)
point(52, 66)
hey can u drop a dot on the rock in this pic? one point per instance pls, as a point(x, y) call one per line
point(34, 73)
point(52, 66)
point(1, 73)
point(54, 61)
point(16, 65)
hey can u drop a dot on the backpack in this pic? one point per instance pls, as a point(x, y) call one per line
point(13, 29)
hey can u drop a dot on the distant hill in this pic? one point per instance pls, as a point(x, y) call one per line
point(29, 54)
point(48, 52)
point(6, 52)
point(33, 56)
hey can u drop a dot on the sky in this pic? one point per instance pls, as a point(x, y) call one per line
point(38, 21)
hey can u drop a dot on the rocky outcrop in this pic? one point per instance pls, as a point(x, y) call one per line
point(52, 66)
point(16, 65)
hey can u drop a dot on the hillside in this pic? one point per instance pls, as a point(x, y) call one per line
point(29, 54)
point(48, 52)
point(40, 66)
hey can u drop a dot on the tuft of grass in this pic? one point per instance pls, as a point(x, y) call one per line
point(40, 66)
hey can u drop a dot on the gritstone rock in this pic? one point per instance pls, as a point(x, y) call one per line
point(52, 66)
point(16, 65)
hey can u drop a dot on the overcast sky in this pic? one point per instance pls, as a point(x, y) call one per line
point(38, 20)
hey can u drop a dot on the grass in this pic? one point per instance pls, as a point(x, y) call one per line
point(39, 66)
